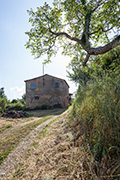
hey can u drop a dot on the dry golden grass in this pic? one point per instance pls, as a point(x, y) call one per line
point(53, 155)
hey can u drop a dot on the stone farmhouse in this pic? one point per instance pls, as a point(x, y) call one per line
point(47, 90)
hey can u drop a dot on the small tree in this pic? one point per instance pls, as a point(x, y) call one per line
point(3, 100)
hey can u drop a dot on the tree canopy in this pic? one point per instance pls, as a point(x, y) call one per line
point(77, 26)
point(99, 66)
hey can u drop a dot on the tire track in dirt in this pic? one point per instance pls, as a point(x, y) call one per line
point(7, 131)
point(16, 157)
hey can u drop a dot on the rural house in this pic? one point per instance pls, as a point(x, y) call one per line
point(47, 90)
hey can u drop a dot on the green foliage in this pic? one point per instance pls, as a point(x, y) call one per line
point(24, 97)
point(22, 101)
point(14, 101)
point(40, 40)
point(79, 76)
point(2, 93)
point(74, 26)
point(44, 107)
point(107, 63)
point(5, 104)
point(18, 100)
point(98, 66)
point(5, 127)
point(16, 105)
point(57, 106)
point(3, 100)
point(96, 111)
point(6, 153)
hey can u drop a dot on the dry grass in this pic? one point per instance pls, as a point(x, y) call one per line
point(53, 155)
point(4, 127)
point(16, 135)
point(57, 154)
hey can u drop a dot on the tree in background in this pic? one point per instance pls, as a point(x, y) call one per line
point(6, 105)
point(24, 97)
point(3, 100)
point(2, 92)
point(78, 26)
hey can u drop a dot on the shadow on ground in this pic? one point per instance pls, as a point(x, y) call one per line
point(47, 112)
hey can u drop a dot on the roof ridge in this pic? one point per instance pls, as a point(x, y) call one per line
point(47, 75)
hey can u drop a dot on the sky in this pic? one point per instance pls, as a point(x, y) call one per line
point(16, 62)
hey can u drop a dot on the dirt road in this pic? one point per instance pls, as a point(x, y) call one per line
point(16, 157)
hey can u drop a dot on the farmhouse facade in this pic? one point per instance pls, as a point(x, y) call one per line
point(47, 90)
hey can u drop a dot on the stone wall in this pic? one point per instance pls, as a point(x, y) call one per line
point(46, 90)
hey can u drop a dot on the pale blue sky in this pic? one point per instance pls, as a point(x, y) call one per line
point(16, 62)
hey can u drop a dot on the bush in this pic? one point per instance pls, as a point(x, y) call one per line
point(15, 106)
point(44, 107)
point(96, 110)
point(6, 105)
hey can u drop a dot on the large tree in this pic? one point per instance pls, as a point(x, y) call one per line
point(78, 26)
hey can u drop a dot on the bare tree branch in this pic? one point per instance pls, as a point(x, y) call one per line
point(90, 50)
point(67, 35)
point(101, 28)
point(103, 49)
point(98, 5)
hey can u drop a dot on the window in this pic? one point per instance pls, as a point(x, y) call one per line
point(56, 85)
point(37, 98)
point(32, 86)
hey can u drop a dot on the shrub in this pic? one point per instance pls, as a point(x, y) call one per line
point(22, 101)
point(57, 106)
point(15, 106)
point(44, 107)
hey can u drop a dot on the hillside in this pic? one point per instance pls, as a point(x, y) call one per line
point(48, 154)
point(23, 140)
point(50, 150)
point(47, 151)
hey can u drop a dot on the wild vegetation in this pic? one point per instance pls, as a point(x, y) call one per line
point(18, 104)
point(95, 113)
point(6, 105)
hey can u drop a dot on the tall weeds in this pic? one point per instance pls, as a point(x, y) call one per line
point(96, 114)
